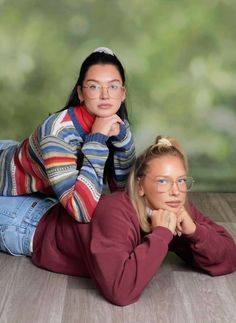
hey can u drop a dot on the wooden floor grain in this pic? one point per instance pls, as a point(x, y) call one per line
point(176, 294)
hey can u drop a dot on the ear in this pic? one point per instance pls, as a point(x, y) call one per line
point(80, 93)
point(140, 189)
point(124, 95)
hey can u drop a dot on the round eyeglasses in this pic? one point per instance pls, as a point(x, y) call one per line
point(165, 183)
point(94, 91)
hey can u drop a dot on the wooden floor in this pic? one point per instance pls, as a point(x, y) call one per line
point(176, 294)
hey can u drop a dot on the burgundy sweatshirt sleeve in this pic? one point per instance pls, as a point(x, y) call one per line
point(120, 263)
point(211, 248)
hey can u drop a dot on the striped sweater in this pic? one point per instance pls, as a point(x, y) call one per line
point(63, 159)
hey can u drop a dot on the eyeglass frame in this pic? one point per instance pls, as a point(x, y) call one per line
point(100, 87)
point(172, 182)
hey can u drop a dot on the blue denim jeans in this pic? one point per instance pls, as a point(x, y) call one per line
point(19, 217)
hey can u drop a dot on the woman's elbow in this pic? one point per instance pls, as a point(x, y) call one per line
point(121, 300)
point(120, 297)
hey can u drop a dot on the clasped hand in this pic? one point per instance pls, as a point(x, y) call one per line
point(108, 126)
point(178, 223)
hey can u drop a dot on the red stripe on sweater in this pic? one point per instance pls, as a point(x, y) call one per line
point(84, 118)
point(59, 160)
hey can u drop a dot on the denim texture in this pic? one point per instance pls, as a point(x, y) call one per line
point(19, 217)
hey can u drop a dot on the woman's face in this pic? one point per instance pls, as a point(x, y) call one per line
point(102, 90)
point(161, 174)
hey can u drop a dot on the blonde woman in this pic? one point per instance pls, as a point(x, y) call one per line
point(132, 231)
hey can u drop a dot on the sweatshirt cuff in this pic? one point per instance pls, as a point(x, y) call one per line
point(97, 137)
point(163, 234)
point(122, 134)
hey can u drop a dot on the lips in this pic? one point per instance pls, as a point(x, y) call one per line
point(174, 204)
point(105, 106)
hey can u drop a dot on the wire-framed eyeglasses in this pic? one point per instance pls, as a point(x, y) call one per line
point(165, 183)
point(94, 90)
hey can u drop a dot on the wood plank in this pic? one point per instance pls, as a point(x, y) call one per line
point(205, 299)
point(221, 207)
point(35, 295)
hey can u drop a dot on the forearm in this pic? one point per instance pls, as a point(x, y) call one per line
point(124, 155)
point(210, 248)
point(213, 249)
point(78, 190)
point(121, 274)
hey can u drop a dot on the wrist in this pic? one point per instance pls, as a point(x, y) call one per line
point(191, 230)
point(121, 135)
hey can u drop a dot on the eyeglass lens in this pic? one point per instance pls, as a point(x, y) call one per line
point(95, 90)
point(165, 184)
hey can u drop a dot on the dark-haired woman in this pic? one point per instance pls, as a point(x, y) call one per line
point(74, 151)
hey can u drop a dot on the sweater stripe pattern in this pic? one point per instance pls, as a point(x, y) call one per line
point(61, 159)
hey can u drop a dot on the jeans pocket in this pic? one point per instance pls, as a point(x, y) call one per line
point(9, 207)
point(12, 240)
point(37, 209)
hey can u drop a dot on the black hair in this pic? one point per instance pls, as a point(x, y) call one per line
point(93, 59)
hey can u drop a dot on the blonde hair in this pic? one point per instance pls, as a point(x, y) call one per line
point(163, 146)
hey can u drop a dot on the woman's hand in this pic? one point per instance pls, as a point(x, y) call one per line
point(164, 218)
point(185, 224)
point(108, 126)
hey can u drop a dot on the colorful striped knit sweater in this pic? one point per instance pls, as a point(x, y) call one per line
point(62, 159)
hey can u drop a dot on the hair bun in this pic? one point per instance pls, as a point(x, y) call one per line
point(105, 50)
point(164, 142)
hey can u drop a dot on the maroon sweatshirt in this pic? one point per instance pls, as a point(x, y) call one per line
point(114, 252)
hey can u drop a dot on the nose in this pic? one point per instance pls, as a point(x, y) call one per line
point(104, 92)
point(174, 189)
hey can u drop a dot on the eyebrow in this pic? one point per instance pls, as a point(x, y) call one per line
point(93, 80)
point(185, 175)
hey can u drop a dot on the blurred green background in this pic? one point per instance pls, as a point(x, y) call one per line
point(180, 61)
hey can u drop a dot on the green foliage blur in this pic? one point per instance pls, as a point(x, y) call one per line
point(180, 63)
